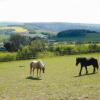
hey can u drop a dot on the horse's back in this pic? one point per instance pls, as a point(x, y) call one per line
point(88, 61)
point(37, 63)
point(34, 63)
point(92, 60)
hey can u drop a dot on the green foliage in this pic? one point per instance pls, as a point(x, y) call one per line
point(39, 48)
point(74, 33)
point(81, 48)
point(37, 45)
point(16, 41)
point(7, 56)
point(81, 35)
point(32, 50)
point(63, 49)
point(3, 37)
point(24, 53)
point(45, 54)
point(93, 48)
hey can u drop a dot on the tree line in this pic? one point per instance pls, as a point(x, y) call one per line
point(27, 48)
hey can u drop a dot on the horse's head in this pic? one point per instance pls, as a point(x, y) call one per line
point(42, 65)
point(43, 69)
point(77, 61)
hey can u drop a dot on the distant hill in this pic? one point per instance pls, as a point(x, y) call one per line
point(57, 27)
point(53, 26)
point(75, 33)
point(10, 23)
point(60, 30)
point(79, 35)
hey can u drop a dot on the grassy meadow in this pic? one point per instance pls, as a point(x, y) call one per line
point(60, 81)
point(16, 28)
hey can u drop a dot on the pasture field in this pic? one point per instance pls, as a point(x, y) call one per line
point(16, 28)
point(60, 81)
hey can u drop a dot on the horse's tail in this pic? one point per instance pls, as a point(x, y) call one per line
point(97, 65)
point(30, 68)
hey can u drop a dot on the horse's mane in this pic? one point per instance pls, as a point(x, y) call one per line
point(41, 63)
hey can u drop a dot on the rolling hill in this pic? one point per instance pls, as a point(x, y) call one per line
point(14, 29)
point(78, 35)
point(54, 29)
point(57, 27)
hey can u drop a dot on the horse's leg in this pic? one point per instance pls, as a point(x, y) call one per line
point(30, 70)
point(80, 71)
point(33, 71)
point(40, 73)
point(86, 70)
point(93, 69)
point(37, 72)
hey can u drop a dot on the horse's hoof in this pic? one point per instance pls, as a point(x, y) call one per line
point(79, 74)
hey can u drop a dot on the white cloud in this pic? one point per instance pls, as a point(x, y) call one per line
point(86, 11)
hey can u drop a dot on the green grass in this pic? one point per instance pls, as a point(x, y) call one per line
point(60, 81)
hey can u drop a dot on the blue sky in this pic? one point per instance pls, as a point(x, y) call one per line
point(76, 11)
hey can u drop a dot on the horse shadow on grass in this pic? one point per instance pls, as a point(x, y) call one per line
point(33, 78)
point(85, 74)
point(21, 66)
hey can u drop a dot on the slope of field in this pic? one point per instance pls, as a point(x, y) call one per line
point(60, 81)
point(60, 26)
point(16, 28)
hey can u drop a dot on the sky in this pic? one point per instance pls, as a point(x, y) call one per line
point(75, 11)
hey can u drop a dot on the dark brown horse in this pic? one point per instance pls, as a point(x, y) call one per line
point(84, 62)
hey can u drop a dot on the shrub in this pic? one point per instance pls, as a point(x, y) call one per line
point(45, 54)
point(93, 48)
point(81, 48)
point(7, 56)
point(25, 53)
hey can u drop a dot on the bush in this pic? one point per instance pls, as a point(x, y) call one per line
point(80, 48)
point(31, 51)
point(25, 53)
point(45, 54)
point(15, 41)
point(93, 48)
point(7, 57)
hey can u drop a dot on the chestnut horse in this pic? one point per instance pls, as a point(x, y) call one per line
point(39, 65)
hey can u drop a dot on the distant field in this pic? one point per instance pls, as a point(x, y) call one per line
point(60, 81)
point(16, 28)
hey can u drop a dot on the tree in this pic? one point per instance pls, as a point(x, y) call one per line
point(38, 44)
point(32, 50)
point(9, 46)
point(16, 41)
point(93, 47)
